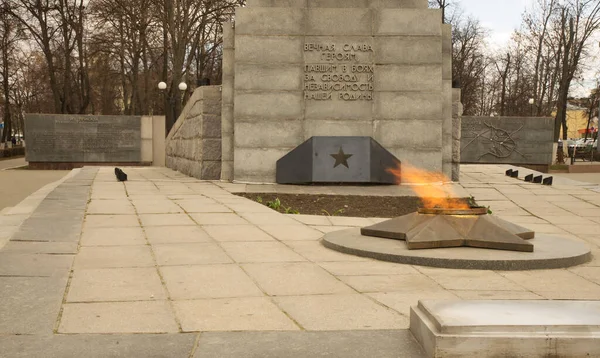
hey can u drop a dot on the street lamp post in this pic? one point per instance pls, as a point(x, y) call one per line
point(531, 103)
point(171, 107)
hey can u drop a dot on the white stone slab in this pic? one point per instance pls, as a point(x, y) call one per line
point(492, 328)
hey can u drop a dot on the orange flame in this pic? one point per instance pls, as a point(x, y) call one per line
point(427, 186)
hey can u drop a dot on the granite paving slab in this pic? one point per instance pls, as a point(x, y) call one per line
point(30, 305)
point(347, 344)
point(174, 345)
point(111, 317)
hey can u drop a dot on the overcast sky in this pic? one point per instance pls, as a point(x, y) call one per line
point(502, 17)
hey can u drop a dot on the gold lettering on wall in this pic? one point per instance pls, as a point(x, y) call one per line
point(341, 75)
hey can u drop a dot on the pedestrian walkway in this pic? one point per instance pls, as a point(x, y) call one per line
point(162, 260)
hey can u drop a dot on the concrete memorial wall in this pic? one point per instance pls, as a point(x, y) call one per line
point(297, 69)
point(194, 144)
point(62, 141)
point(507, 140)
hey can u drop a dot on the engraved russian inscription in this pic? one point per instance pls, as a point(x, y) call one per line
point(344, 75)
point(73, 138)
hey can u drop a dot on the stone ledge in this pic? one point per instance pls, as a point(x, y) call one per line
point(507, 328)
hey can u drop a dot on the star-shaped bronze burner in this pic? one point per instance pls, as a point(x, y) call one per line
point(341, 158)
point(429, 231)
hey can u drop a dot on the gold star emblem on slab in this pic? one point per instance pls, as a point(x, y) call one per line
point(341, 158)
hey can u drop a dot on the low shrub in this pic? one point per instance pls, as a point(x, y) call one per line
point(12, 152)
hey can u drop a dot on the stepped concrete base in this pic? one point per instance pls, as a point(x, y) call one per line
point(507, 328)
point(550, 252)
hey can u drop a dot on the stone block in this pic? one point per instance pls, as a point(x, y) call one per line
point(408, 22)
point(210, 92)
point(403, 4)
point(211, 106)
point(185, 149)
point(194, 169)
point(268, 77)
point(447, 39)
point(456, 150)
point(268, 105)
point(158, 141)
point(227, 170)
point(195, 110)
point(146, 128)
point(343, 110)
point(252, 164)
point(169, 161)
point(447, 109)
point(426, 159)
point(338, 3)
point(269, 134)
point(211, 126)
point(342, 21)
point(280, 49)
point(323, 127)
point(447, 152)
point(456, 95)
point(228, 66)
point(211, 170)
point(146, 151)
point(409, 133)
point(228, 35)
point(197, 151)
point(457, 110)
point(455, 172)
point(191, 128)
point(211, 149)
point(227, 147)
point(269, 21)
point(276, 3)
point(426, 78)
point(227, 119)
point(406, 105)
point(407, 50)
point(447, 67)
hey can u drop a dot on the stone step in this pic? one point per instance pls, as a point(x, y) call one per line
point(495, 328)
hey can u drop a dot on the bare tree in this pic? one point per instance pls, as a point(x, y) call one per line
point(57, 27)
point(469, 61)
point(10, 34)
point(579, 20)
point(443, 5)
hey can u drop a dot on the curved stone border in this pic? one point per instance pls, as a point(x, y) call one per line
point(549, 252)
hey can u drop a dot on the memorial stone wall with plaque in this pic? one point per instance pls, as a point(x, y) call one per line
point(54, 138)
point(297, 69)
point(507, 140)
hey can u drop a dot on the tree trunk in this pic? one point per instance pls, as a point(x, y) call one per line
point(6, 91)
point(565, 82)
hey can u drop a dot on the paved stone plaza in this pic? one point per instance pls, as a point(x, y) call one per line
point(163, 257)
